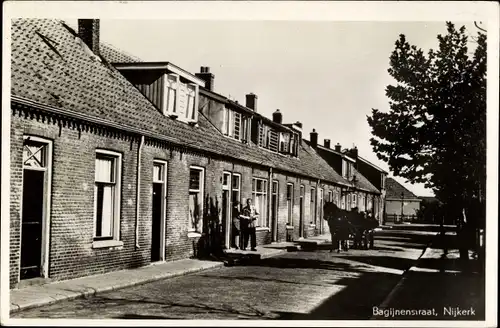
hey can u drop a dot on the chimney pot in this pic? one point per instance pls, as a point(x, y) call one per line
point(89, 30)
point(338, 147)
point(327, 143)
point(206, 76)
point(251, 101)
point(277, 117)
point(314, 138)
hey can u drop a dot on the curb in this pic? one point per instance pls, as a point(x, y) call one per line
point(400, 283)
point(90, 291)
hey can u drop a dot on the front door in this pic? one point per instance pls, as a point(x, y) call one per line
point(35, 197)
point(156, 222)
point(158, 208)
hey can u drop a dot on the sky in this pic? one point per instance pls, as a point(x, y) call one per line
point(326, 74)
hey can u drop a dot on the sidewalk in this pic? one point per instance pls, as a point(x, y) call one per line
point(438, 287)
point(40, 295)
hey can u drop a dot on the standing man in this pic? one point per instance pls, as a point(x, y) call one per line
point(249, 213)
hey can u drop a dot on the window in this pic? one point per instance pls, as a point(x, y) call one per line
point(170, 101)
point(236, 186)
point(191, 102)
point(348, 202)
point(259, 198)
point(289, 203)
point(234, 124)
point(284, 142)
point(313, 206)
point(330, 196)
point(343, 202)
point(107, 195)
point(354, 201)
point(196, 184)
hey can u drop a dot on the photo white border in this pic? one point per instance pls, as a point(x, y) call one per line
point(487, 12)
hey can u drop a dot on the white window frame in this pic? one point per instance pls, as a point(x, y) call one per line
point(47, 197)
point(262, 221)
point(164, 166)
point(166, 98)
point(330, 196)
point(192, 113)
point(201, 191)
point(115, 238)
point(354, 201)
point(238, 190)
point(312, 207)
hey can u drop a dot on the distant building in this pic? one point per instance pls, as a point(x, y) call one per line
point(400, 203)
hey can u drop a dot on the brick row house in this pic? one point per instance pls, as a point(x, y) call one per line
point(115, 162)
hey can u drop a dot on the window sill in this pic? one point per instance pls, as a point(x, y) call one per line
point(262, 229)
point(107, 244)
point(312, 226)
point(289, 227)
point(194, 234)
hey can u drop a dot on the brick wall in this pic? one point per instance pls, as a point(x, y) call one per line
point(71, 218)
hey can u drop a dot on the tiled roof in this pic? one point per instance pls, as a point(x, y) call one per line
point(52, 67)
point(114, 55)
point(394, 190)
point(363, 183)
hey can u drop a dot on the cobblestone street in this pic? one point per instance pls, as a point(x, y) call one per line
point(296, 285)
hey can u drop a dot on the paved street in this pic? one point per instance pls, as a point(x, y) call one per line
point(296, 285)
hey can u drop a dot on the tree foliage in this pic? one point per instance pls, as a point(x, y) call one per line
point(435, 130)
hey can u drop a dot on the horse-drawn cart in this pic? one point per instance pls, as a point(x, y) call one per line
point(349, 229)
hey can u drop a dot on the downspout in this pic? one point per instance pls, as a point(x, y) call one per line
point(138, 192)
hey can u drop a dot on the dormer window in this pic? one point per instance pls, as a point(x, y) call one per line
point(346, 169)
point(171, 89)
point(234, 124)
point(288, 143)
point(268, 138)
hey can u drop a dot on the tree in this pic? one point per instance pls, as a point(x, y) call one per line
point(435, 130)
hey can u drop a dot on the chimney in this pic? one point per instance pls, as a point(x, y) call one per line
point(314, 138)
point(338, 147)
point(277, 117)
point(206, 76)
point(299, 124)
point(251, 101)
point(88, 30)
point(327, 143)
point(354, 152)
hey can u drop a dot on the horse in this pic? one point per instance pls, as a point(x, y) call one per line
point(340, 227)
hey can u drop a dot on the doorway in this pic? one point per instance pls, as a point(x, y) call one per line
point(226, 209)
point(35, 207)
point(158, 209)
point(301, 212)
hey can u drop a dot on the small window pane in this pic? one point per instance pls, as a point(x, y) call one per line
point(236, 182)
point(194, 179)
point(104, 169)
point(157, 172)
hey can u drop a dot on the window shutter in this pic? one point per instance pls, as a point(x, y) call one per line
point(237, 124)
point(273, 143)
